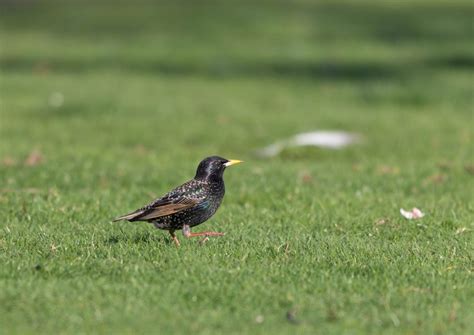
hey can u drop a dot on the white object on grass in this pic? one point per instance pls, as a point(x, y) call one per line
point(56, 99)
point(415, 213)
point(323, 138)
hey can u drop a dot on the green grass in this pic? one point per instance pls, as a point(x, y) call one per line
point(149, 90)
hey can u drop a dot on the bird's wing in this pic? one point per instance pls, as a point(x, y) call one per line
point(183, 197)
point(163, 209)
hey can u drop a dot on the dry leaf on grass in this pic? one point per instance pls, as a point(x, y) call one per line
point(8, 161)
point(469, 169)
point(388, 170)
point(34, 158)
point(381, 221)
point(462, 230)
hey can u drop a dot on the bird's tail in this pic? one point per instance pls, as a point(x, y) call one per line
point(128, 217)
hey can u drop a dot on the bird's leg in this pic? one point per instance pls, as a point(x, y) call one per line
point(187, 233)
point(175, 239)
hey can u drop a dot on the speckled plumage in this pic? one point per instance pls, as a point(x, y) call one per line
point(207, 195)
point(190, 204)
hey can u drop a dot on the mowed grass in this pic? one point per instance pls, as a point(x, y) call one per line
point(314, 240)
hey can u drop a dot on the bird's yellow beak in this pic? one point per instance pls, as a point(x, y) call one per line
point(232, 162)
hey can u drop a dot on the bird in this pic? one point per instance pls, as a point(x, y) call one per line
point(189, 204)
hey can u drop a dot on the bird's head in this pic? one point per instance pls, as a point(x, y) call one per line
point(212, 168)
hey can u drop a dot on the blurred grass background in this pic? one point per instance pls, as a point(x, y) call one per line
point(122, 99)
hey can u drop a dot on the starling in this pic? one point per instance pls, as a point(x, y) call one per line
point(190, 204)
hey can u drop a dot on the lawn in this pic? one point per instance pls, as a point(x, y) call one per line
point(105, 106)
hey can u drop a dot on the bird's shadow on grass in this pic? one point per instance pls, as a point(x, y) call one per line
point(136, 238)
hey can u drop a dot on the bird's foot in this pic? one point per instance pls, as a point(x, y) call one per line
point(174, 238)
point(207, 234)
point(204, 233)
point(187, 233)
